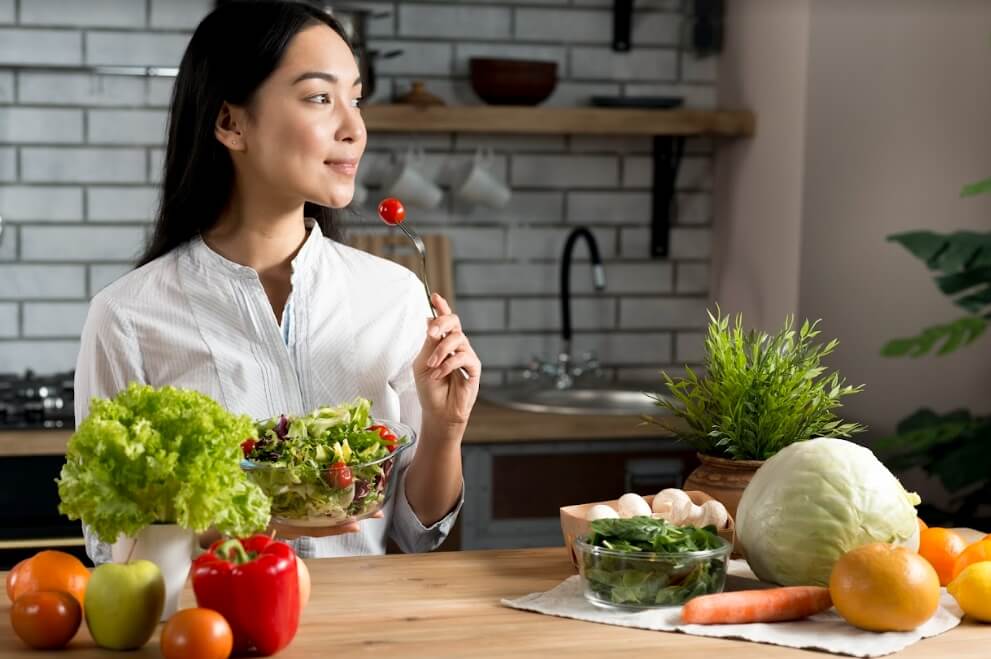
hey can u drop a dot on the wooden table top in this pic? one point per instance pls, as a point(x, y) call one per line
point(490, 423)
point(447, 604)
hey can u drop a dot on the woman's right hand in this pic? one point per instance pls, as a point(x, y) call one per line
point(293, 532)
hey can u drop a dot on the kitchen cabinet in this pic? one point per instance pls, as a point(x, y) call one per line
point(515, 490)
point(521, 467)
point(448, 605)
point(29, 517)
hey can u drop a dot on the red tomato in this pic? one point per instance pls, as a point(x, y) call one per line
point(387, 436)
point(339, 475)
point(197, 634)
point(248, 446)
point(391, 211)
point(46, 619)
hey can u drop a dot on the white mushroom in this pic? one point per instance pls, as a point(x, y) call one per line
point(695, 517)
point(633, 505)
point(674, 504)
point(714, 513)
point(600, 511)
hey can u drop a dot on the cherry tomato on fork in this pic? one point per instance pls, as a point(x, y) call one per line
point(247, 446)
point(391, 211)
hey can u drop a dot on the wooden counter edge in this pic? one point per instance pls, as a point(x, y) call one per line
point(490, 424)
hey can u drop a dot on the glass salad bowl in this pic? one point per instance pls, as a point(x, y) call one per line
point(645, 580)
point(320, 471)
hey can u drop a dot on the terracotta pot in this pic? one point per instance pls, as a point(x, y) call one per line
point(723, 479)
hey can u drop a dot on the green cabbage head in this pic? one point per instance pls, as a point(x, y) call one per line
point(814, 501)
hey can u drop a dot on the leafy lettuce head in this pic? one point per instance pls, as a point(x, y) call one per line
point(160, 455)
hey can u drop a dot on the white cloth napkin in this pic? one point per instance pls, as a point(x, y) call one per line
point(825, 631)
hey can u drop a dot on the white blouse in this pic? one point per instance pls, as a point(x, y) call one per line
point(194, 319)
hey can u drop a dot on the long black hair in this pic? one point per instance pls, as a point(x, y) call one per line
point(233, 50)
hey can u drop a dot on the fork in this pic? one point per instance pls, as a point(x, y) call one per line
point(422, 250)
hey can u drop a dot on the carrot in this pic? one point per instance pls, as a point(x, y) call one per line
point(769, 605)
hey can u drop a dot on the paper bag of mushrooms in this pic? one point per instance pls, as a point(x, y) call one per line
point(672, 505)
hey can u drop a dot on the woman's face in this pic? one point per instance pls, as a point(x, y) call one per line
point(304, 134)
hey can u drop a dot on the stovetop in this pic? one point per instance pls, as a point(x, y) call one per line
point(30, 401)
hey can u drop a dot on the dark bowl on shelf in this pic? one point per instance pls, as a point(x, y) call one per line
point(500, 81)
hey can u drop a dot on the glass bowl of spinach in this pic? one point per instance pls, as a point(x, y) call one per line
point(644, 563)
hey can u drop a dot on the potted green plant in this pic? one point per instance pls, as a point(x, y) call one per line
point(759, 393)
point(149, 468)
point(952, 447)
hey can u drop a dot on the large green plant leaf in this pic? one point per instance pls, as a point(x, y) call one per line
point(981, 187)
point(950, 337)
point(963, 260)
point(954, 447)
point(948, 253)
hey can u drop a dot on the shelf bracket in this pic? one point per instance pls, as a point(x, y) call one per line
point(622, 14)
point(668, 151)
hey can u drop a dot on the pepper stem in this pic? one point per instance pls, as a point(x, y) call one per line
point(233, 551)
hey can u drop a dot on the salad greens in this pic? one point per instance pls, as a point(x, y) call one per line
point(656, 566)
point(160, 455)
point(327, 466)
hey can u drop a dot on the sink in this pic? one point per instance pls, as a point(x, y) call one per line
point(625, 400)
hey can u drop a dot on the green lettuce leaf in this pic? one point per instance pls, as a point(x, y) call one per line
point(160, 455)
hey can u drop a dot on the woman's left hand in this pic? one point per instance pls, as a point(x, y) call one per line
point(446, 396)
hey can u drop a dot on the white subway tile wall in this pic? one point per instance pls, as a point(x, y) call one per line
point(81, 154)
point(6, 87)
point(9, 320)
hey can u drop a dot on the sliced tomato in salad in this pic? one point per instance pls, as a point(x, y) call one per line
point(388, 437)
point(248, 446)
point(339, 475)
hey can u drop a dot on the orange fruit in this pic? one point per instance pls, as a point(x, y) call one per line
point(881, 587)
point(922, 525)
point(941, 547)
point(12, 578)
point(52, 570)
point(974, 553)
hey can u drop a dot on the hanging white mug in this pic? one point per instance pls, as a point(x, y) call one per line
point(408, 183)
point(478, 185)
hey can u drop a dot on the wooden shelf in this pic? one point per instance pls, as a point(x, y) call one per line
point(551, 121)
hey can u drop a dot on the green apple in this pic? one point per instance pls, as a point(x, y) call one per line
point(123, 604)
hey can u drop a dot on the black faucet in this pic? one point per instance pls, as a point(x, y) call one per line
point(598, 278)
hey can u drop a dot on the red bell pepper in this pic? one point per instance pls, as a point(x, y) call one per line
point(253, 583)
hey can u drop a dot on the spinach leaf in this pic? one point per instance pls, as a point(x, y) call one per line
point(643, 578)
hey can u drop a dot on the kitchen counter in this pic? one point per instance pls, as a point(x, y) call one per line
point(446, 604)
point(490, 423)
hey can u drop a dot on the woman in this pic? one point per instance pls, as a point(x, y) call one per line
point(243, 295)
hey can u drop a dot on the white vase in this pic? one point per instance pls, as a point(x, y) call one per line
point(170, 547)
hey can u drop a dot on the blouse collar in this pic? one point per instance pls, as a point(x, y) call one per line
point(304, 260)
